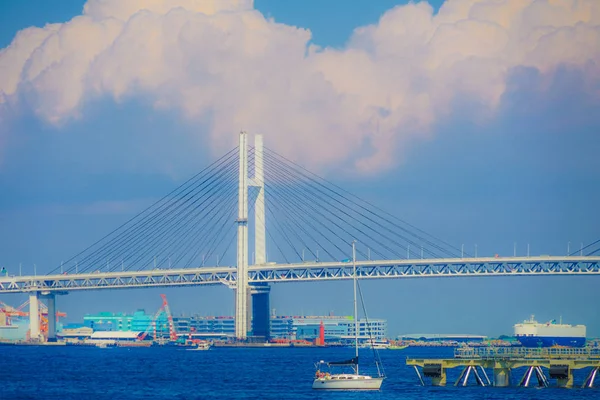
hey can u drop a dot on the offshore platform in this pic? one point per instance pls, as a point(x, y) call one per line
point(560, 362)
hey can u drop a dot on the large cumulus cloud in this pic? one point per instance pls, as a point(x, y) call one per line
point(223, 63)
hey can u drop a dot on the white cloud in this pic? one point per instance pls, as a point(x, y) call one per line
point(223, 62)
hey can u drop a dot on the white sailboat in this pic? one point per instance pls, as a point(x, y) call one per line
point(353, 380)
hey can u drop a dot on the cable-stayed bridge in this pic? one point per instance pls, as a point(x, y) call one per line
point(303, 226)
point(422, 268)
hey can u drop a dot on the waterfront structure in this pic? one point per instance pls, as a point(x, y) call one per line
point(114, 338)
point(15, 329)
point(337, 328)
point(223, 326)
point(75, 333)
point(503, 361)
point(442, 337)
point(142, 322)
point(111, 322)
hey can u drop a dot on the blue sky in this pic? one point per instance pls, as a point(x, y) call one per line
point(491, 169)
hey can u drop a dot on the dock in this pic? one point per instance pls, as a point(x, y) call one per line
point(541, 365)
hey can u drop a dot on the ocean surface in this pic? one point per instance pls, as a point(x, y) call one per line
point(70, 372)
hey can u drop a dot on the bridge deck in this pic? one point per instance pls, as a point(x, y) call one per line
point(275, 273)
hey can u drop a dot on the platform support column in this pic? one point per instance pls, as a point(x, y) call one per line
point(589, 381)
point(436, 372)
point(542, 380)
point(419, 375)
point(439, 380)
point(566, 382)
point(502, 377)
point(34, 317)
point(526, 377)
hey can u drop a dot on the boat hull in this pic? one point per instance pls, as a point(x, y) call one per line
point(199, 348)
point(549, 341)
point(355, 383)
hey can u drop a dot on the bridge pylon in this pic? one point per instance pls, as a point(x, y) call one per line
point(243, 299)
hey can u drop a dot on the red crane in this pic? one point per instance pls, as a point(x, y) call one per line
point(172, 332)
point(163, 308)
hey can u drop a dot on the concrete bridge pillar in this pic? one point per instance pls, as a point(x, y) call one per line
point(502, 377)
point(34, 317)
point(51, 317)
point(261, 317)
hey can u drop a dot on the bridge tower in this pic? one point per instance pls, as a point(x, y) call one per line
point(259, 311)
point(251, 300)
point(241, 287)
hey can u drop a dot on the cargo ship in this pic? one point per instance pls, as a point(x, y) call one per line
point(531, 333)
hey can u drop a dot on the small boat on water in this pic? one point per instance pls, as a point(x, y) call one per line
point(201, 346)
point(376, 344)
point(352, 380)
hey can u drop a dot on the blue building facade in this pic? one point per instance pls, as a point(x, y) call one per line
point(337, 328)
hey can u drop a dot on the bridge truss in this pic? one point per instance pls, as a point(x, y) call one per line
point(278, 273)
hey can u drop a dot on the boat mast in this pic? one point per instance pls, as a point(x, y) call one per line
point(355, 308)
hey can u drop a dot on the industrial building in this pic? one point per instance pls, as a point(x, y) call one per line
point(14, 325)
point(138, 321)
point(337, 328)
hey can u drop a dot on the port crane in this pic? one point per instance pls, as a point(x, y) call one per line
point(12, 312)
point(164, 308)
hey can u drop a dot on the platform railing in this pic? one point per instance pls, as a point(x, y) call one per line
point(527, 353)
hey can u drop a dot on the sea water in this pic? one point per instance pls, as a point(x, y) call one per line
point(72, 372)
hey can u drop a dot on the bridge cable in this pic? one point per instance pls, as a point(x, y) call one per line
point(143, 225)
point(343, 210)
point(584, 248)
point(149, 235)
point(209, 196)
point(318, 181)
point(298, 203)
point(314, 195)
point(378, 224)
point(151, 207)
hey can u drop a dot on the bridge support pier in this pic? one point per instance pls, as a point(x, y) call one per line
point(51, 317)
point(34, 317)
point(261, 316)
